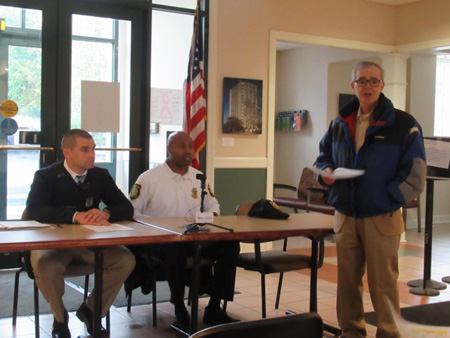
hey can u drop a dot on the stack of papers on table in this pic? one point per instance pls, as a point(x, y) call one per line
point(108, 228)
point(22, 225)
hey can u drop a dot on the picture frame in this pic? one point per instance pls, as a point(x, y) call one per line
point(242, 106)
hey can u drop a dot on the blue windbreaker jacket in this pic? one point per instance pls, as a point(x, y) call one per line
point(393, 157)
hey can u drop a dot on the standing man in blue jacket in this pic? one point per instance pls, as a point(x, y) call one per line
point(371, 135)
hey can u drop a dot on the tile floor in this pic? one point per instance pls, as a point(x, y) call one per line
point(247, 304)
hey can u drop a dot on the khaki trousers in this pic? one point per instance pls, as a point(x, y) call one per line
point(49, 267)
point(372, 243)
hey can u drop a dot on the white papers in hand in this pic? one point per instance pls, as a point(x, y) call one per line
point(341, 173)
point(107, 228)
point(22, 225)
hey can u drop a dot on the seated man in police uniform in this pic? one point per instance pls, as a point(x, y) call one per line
point(172, 190)
point(70, 191)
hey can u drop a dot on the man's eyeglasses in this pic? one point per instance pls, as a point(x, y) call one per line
point(371, 82)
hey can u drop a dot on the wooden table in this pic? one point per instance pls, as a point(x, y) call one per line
point(76, 236)
point(164, 230)
point(246, 228)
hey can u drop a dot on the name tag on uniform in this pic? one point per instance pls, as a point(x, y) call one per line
point(89, 202)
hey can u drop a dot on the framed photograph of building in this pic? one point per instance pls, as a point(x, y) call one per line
point(242, 106)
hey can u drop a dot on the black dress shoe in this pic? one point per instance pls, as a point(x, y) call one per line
point(61, 330)
point(87, 317)
point(217, 316)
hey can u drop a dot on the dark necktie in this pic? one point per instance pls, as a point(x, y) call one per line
point(79, 179)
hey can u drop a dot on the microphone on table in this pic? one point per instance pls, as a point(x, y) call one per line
point(194, 227)
point(202, 179)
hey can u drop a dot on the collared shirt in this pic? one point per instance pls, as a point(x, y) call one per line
point(72, 173)
point(160, 192)
point(363, 122)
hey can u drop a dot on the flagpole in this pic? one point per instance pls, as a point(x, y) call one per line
point(195, 93)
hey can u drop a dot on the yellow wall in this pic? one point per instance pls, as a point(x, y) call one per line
point(239, 47)
point(422, 21)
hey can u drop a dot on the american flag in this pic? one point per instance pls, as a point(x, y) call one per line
point(195, 100)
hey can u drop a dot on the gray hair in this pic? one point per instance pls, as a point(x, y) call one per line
point(365, 64)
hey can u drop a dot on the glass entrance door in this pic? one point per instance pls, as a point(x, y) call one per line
point(20, 82)
point(51, 53)
point(101, 60)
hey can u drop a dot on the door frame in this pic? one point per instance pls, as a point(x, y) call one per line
point(139, 14)
point(56, 71)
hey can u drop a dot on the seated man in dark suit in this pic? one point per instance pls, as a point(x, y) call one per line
point(70, 191)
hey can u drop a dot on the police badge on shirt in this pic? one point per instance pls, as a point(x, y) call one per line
point(135, 191)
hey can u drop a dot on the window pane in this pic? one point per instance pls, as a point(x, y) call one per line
point(11, 15)
point(20, 80)
point(33, 19)
point(442, 97)
point(24, 85)
point(177, 3)
point(92, 26)
point(89, 66)
point(170, 60)
point(169, 70)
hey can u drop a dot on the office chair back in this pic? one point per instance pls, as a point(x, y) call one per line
point(306, 325)
point(279, 261)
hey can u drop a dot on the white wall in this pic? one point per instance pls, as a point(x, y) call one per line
point(421, 106)
point(303, 83)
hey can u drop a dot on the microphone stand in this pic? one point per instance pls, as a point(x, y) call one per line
point(203, 193)
point(194, 227)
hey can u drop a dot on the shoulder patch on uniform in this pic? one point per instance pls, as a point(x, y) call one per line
point(210, 191)
point(413, 130)
point(135, 191)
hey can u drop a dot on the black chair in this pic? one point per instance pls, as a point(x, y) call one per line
point(73, 270)
point(411, 205)
point(144, 276)
point(305, 325)
point(311, 195)
point(153, 270)
point(280, 261)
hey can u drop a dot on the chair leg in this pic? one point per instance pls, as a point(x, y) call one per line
point(419, 218)
point(263, 295)
point(108, 321)
point(36, 310)
point(130, 296)
point(404, 212)
point(16, 296)
point(86, 288)
point(280, 283)
point(154, 300)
